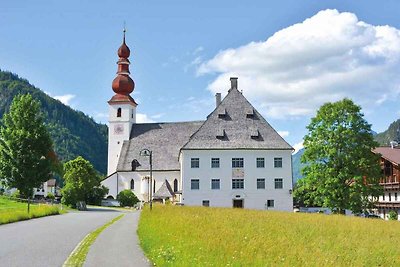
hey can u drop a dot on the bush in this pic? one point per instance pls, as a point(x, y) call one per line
point(127, 198)
point(50, 196)
point(393, 215)
point(16, 194)
point(69, 196)
point(97, 194)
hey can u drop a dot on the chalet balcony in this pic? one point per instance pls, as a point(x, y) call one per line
point(388, 205)
point(391, 185)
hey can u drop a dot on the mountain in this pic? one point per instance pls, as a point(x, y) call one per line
point(391, 134)
point(297, 165)
point(73, 132)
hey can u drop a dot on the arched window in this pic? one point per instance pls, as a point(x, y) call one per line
point(175, 185)
point(132, 184)
point(119, 112)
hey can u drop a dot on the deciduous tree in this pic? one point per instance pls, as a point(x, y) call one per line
point(341, 172)
point(27, 158)
point(82, 182)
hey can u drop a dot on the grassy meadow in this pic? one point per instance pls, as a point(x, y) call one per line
point(199, 236)
point(13, 211)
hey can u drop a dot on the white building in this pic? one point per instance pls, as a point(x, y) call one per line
point(232, 159)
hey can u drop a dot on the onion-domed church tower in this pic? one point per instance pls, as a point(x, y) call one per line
point(122, 112)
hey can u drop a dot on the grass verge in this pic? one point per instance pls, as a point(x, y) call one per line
point(198, 236)
point(13, 211)
point(78, 256)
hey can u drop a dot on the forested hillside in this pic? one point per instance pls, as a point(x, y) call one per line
point(73, 132)
point(391, 134)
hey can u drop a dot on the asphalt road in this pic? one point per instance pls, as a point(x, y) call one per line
point(48, 241)
point(118, 245)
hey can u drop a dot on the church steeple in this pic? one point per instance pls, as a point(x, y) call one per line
point(123, 84)
point(122, 108)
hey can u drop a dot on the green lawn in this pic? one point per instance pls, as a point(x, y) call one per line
point(13, 211)
point(197, 236)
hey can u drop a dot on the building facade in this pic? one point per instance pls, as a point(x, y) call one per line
point(390, 181)
point(232, 159)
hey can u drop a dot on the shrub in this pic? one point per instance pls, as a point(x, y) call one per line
point(97, 194)
point(50, 196)
point(15, 194)
point(393, 215)
point(69, 196)
point(127, 198)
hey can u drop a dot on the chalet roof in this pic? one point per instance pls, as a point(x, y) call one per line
point(163, 139)
point(242, 125)
point(388, 153)
point(51, 183)
point(165, 191)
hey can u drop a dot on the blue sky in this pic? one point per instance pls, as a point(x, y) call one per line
point(290, 56)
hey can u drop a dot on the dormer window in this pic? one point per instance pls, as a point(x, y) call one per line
point(255, 134)
point(221, 133)
point(222, 113)
point(119, 111)
point(250, 113)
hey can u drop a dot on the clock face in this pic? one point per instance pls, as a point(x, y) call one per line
point(118, 129)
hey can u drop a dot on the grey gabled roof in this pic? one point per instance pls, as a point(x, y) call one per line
point(239, 128)
point(165, 141)
point(165, 191)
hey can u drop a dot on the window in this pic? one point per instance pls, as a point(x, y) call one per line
point(270, 203)
point(195, 184)
point(206, 203)
point(215, 184)
point(390, 197)
point(383, 197)
point(395, 196)
point(260, 163)
point(278, 183)
point(214, 162)
point(132, 184)
point(261, 183)
point(154, 186)
point(237, 162)
point(237, 183)
point(119, 112)
point(278, 162)
point(175, 185)
point(195, 162)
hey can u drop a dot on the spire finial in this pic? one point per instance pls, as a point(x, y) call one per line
point(124, 30)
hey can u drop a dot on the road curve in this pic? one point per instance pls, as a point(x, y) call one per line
point(48, 241)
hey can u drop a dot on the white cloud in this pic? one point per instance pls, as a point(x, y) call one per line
point(65, 99)
point(197, 50)
point(327, 57)
point(143, 118)
point(157, 116)
point(297, 147)
point(283, 134)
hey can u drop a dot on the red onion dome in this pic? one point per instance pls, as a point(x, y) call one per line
point(123, 84)
point(123, 50)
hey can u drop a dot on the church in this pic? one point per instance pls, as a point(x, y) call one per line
point(233, 158)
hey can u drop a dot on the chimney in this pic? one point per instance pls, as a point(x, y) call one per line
point(217, 99)
point(234, 82)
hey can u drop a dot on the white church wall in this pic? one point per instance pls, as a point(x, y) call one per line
point(253, 198)
point(140, 182)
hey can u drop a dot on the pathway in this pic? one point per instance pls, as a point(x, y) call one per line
point(118, 245)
